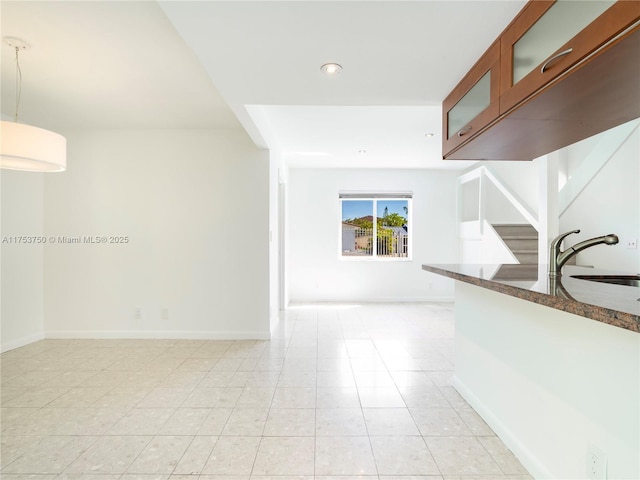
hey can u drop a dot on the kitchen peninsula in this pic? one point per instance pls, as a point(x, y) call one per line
point(553, 368)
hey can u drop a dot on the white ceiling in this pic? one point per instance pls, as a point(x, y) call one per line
point(105, 64)
point(221, 64)
point(355, 136)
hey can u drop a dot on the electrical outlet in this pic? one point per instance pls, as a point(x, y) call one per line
point(596, 464)
point(164, 313)
point(632, 243)
point(138, 313)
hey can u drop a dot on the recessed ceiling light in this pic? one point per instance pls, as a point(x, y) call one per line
point(429, 135)
point(331, 68)
point(362, 151)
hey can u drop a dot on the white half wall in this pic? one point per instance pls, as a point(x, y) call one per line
point(22, 276)
point(192, 208)
point(551, 384)
point(316, 271)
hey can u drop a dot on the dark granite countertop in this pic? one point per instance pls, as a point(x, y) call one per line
point(616, 305)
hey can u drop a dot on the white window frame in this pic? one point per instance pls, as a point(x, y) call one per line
point(376, 197)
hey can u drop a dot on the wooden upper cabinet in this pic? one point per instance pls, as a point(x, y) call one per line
point(566, 70)
point(474, 103)
point(547, 38)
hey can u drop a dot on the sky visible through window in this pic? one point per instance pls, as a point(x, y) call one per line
point(362, 208)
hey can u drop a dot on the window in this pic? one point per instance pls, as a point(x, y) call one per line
point(375, 225)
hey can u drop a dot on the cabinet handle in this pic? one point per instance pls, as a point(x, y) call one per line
point(465, 130)
point(555, 57)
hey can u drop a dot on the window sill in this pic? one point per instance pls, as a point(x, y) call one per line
point(374, 259)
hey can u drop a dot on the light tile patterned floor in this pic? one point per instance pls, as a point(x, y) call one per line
point(340, 391)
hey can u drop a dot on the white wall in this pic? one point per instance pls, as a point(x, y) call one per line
point(316, 273)
point(274, 238)
point(498, 209)
point(609, 204)
point(520, 177)
point(22, 276)
point(469, 201)
point(194, 205)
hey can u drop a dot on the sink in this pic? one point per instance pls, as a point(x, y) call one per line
point(629, 280)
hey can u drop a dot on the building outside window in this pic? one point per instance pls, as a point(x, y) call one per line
point(375, 226)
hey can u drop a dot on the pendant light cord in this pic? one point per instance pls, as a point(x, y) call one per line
point(18, 85)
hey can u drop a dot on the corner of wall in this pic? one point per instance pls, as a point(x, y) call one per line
point(22, 308)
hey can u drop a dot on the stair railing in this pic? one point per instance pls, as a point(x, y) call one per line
point(484, 174)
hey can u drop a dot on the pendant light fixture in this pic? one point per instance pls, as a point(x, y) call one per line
point(24, 147)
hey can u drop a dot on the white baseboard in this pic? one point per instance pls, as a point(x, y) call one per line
point(369, 300)
point(526, 457)
point(158, 334)
point(21, 342)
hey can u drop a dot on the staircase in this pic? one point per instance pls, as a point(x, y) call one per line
point(522, 240)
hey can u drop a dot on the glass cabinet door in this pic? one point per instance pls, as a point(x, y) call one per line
point(549, 38)
point(563, 21)
point(471, 105)
point(474, 103)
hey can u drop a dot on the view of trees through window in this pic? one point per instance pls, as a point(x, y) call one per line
point(375, 227)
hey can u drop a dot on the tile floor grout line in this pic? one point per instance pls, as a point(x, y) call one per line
point(246, 362)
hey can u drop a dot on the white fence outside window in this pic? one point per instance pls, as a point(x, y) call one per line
point(392, 242)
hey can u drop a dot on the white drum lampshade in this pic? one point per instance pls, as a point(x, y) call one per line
point(31, 149)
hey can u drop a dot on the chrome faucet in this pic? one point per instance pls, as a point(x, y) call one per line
point(557, 258)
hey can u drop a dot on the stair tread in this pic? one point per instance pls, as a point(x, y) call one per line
point(521, 239)
point(515, 229)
